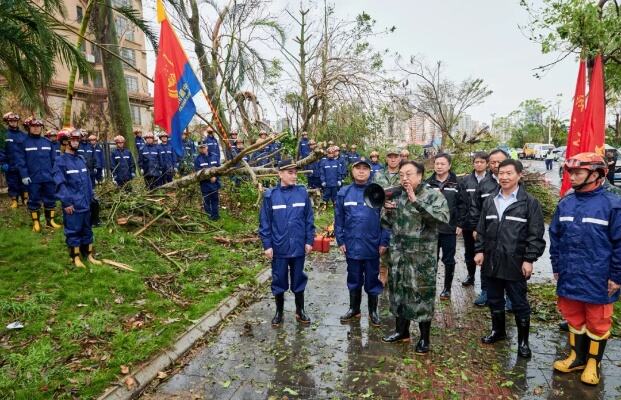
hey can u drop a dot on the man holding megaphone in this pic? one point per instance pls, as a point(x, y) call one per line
point(414, 217)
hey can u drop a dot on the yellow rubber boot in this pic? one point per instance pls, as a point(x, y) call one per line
point(49, 218)
point(74, 254)
point(24, 198)
point(576, 361)
point(597, 345)
point(13, 202)
point(36, 225)
point(91, 257)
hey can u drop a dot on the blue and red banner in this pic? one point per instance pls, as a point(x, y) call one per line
point(175, 84)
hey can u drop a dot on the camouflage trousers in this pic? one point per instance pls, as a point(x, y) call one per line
point(412, 283)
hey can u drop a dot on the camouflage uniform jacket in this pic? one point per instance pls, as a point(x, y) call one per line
point(385, 179)
point(414, 252)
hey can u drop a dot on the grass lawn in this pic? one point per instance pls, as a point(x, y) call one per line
point(82, 326)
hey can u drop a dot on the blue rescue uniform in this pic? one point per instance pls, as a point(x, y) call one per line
point(13, 145)
point(209, 190)
point(36, 160)
point(123, 166)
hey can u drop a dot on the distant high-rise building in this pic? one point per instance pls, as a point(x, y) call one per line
point(90, 101)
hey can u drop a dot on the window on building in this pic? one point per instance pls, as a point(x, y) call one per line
point(124, 28)
point(98, 79)
point(132, 83)
point(79, 13)
point(97, 54)
point(85, 79)
point(136, 115)
point(128, 55)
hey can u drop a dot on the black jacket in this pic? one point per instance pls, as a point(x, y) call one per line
point(450, 190)
point(468, 186)
point(512, 239)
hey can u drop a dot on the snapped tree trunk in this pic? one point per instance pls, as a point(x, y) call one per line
point(118, 100)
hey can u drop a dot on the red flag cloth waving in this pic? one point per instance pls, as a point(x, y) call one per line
point(576, 124)
point(594, 131)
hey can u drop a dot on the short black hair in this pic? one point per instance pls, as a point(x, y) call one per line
point(496, 151)
point(481, 155)
point(420, 168)
point(444, 155)
point(517, 164)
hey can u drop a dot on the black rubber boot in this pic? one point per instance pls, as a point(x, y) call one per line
point(280, 305)
point(402, 332)
point(498, 328)
point(422, 347)
point(374, 318)
point(355, 297)
point(449, 271)
point(563, 326)
point(523, 326)
point(300, 314)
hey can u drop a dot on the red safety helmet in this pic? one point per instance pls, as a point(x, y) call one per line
point(63, 134)
point(10, 116)
point(588, 160)
point(36, 122)
point(75, 134)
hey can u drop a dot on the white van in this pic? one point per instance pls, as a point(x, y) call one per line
point(541, 150)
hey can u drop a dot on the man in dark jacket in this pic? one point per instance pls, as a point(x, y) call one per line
point(209, 187)
point(362, 239)
point(487, 187)
point(287, 231)
point(149, 161)
point(122, 163)
point(13, 145)
point(585, 249)
point(509, 241)
point(445, 181)
point(470, 217)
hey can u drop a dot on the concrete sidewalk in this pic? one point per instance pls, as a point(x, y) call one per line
point(252, 360)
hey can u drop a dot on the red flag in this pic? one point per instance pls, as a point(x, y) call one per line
point(594, 131)
point(576, 124)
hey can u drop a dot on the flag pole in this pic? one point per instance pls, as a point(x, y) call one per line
point(161, 16)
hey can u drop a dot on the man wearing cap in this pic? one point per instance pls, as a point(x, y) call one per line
point(14, 140)
point(353, 155)
point(287, 231)
point(168, 159)
point(122, 163)
point(94, 160)
point(209, 187)
point(376, 166)
point(52, 136)
point(213, 147)
point(239, 147)
point(149, 162)
point(585, 250)
point(304, 148)
point(260, 157)
point(35, 161)
point(233, 140)
point(362, 240)
point(330, 175)
point(386, 178)
point(342, 162)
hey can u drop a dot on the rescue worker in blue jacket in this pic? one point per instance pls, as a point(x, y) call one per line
point(83, 143)
point(211, 186)
point(342, 162)
point(213, 147)
point(304, 148)
point(376, 166)
point(13, 143)
point(235, 150)
point(353, 155)
point(287, 231)
point(149, 162)
point(330, 174)
point(75, 192)
point(362, 239)
point(585, 250)
point(52, 136)
point(168, 159)
point(93, 155)
point(138, 140)
point(35, 161)
point(189, 154)
point(122, 163)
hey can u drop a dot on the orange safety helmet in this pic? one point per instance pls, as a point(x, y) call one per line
point(588, 160)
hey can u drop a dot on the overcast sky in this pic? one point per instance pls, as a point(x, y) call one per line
point(474, 38)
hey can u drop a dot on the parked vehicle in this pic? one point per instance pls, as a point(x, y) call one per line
point(541, 150)
point(529, 150)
